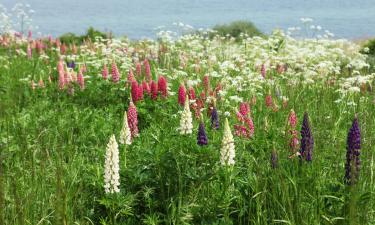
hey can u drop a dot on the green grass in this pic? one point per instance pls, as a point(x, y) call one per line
point(52, 149)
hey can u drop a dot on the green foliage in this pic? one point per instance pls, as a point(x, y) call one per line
point(236, 28)
point(91, 34)
point(370, 45)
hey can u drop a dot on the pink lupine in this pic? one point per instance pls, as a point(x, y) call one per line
point(162, 86)
point(60, 66)
point(29, 52)
point(292, 120)
point(140, 92)
point(206, 83)
point(263, 71)
point(81, 80)
point(146, 87)
point(134, 91)
point(181, 95)
point(154, 90)
point(63, 49)
point(41, 83)
point(244, 108)
point(138, 69)
point(105, 72)
point(250, 125)
point(269, 102)
point(130, 76)
point(146, 64)
point(84, 68)
point(58, 43)
point(61, 79)
point(133, 120)
point(115, 73)
point(191, 93)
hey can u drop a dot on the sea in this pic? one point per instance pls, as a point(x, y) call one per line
point(137, 19)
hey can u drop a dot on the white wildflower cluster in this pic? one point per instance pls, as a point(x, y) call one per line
point(125, 133)
point(111, 168)
point(186, 122)
point(227, 152)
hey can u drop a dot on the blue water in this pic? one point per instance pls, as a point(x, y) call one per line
point(138, 18)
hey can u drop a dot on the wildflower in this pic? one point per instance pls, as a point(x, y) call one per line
point(111, 167)
point(146, 64)
point(154, 90)
point(29, 52)
point(125, 133)
point(181, 94)
point(131, 76)
point(352, 165)
point(202, 137)
point(139, 92)
point(292, 119)
point(162, 86)
point(81, 80)
point(244, 108)
point(227, 152)
point(134, 91)
point(186, 122)
point(115, 73)
point(133, 120)
point(146, 87)
point(191, 93)
point(61, 79)
point(274, 159)
point(307, 140)
point(71, 65)
point(263, 71)
point(138, 69)
point(214, 119)
point(206, 83)
point(269, 102)
point(105, 72)
point(62, 49)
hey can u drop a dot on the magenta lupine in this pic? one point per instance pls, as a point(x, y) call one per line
point(133, 120)
point(353, 151)
point(162, 86)
point(269, 102)
point(146, 64)
point(140, 92)
point(244, 108)
point(181, 94)
point(191, 93)
point(105, 72)
point(115, 73)
point(206, 83)
point(134, 91)
point(154, 90)
point(130, 76)
point(146, 87)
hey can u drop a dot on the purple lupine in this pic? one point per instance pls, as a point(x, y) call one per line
point(214, 119)
point(353, 162)
point(71, 65)
point(274, 159)
point(202, 137)
point(307, 140)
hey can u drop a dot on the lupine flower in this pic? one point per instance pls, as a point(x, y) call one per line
point(139, 92)
point(181, 94)
point(186, 122)
point(162, 86)
point(250, 125)
point(125, 133)
point(81, 80)
point(84, 68)
point(115, 73)
point(274, 159)
point(202, 137)
point(61, 79)
point(62, 49)
point(134, 91)
point(244, 108)
point(41, 83)
point(353, 151)
point(269, 102)
point(146, 64)
point(154, 90)
point(71, 65)
point(307, 140)
point(263, 71)
point(191, 93)
point(146, 87)
point(292, 119)
point(227, 152)
point(133, 120)
point(138, 69)
point(111, 167)
point(206, 83)
point(105, 72)
point(131, 76)
point(214, 119)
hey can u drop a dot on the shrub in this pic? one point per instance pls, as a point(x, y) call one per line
point(235, 28)
point(91, 34)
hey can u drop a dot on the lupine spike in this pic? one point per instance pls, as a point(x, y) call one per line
point(202, 137)
point(186, 122)
point(352, 165)
point(227, 152)
point(115, 73)
point(133, 119)
point(181, 94)
point(134, 91)
point(214, 119)
point(162, 86)
point(81, 80)
point(307, 140)
point(154, 90)
point(105, 72)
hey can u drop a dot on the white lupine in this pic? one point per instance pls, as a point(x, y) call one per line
point(111, 168)
point(125, 133)
point(227, 152)
point(186, 122)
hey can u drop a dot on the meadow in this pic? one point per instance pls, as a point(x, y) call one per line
point(256, 130)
